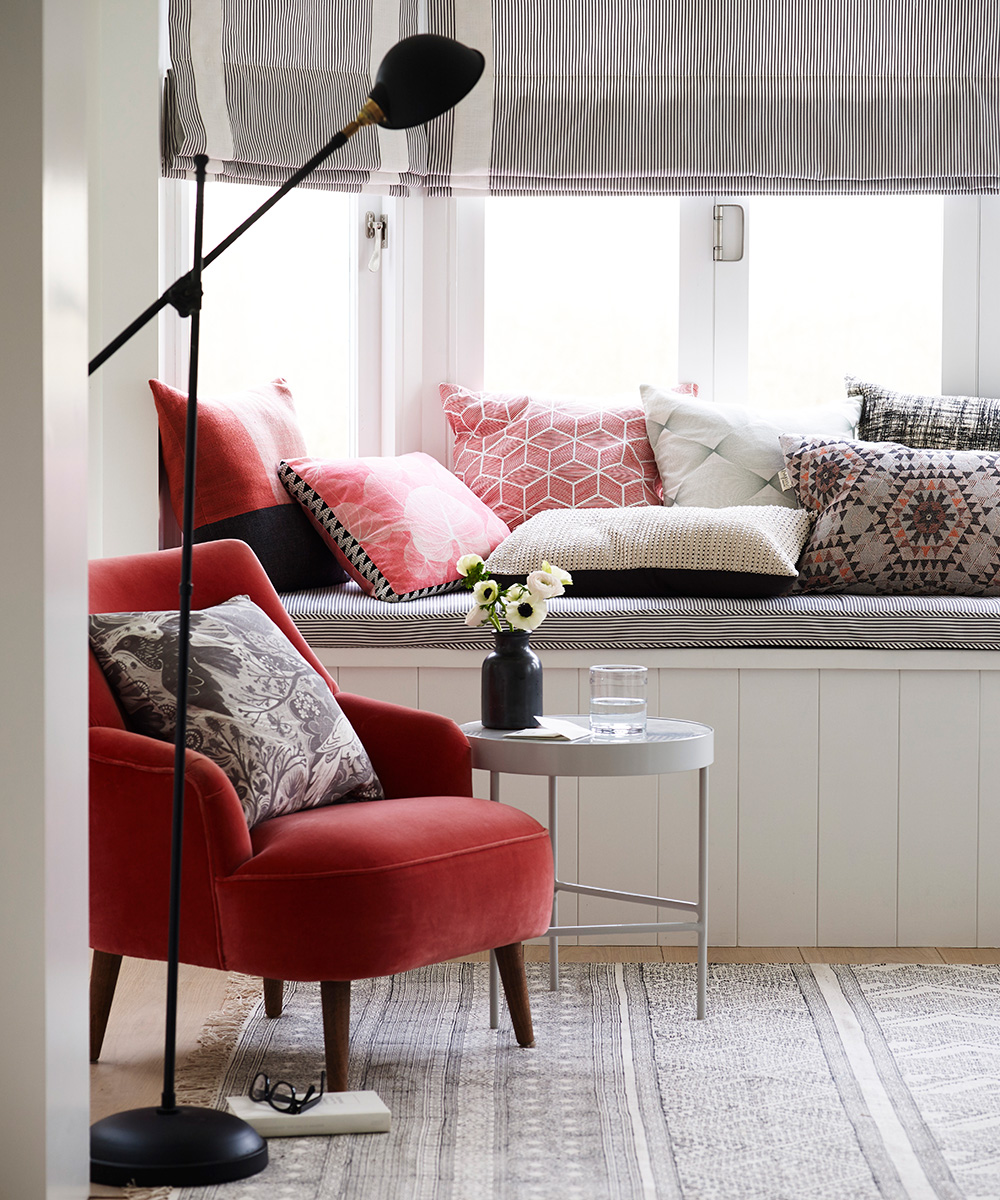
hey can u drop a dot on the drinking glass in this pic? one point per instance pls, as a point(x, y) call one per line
point(618, 700)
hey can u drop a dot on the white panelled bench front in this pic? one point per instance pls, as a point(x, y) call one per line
point(857, 769)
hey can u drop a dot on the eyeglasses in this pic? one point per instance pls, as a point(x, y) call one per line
point(281, 1095)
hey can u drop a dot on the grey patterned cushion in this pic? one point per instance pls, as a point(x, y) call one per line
point(926, 422)
point(255, 706)
point(894, 519)
point(654, 551)
point(717, 455)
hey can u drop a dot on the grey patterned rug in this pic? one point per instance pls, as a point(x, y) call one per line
point(832, 1082)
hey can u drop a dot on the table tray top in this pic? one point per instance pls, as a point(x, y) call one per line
point(669, 745)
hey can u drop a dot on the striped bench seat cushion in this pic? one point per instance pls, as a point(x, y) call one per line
point(343, 616)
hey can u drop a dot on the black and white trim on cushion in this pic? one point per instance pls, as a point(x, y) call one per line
point(344, 617)
point(348, 545)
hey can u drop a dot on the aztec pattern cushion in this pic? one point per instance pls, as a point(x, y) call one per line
point(927, 422)
point(398, 525)
point(744, 551)
point(524, 454)
point(719, 455)
point(894, 519)
point(241, 440)
point(255, 706)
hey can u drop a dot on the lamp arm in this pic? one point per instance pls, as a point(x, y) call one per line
point(184, 294)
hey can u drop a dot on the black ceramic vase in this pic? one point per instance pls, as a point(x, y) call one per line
point(512, 683)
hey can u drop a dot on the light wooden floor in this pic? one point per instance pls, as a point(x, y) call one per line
point(129, 1074)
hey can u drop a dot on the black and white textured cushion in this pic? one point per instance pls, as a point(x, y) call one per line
point(718, 455)
point(926, 422)
point(655, 551)
point(255, 706)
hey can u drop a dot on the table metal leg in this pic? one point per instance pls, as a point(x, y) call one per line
point(494, 970)
point(702, 888)
point(554, 837)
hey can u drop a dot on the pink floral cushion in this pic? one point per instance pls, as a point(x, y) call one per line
point(398, 525)
point(522, 455)
point(893, 519)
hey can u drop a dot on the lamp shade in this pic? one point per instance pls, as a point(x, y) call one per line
point(422, 77)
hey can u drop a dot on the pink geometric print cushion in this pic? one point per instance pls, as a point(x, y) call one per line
point(891, 519)
point(398, 525)
point(522, 455)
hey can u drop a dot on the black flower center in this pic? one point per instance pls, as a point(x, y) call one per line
point(524, 609)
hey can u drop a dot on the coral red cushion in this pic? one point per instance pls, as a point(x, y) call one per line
point(398, 525)
point(522, 454)
point(422, 879)
point(241, 440)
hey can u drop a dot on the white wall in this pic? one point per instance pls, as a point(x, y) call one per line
point(44, 1086)
point(124, 154)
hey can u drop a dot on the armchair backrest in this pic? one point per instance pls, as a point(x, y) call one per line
point(150, 582)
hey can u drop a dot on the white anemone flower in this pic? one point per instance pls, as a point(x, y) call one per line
point(476, 616)
point(544, 584)
point(467, 563)
point(527, 612)
point(564, 577)
point(486, 592)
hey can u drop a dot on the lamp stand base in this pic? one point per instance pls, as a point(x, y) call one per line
point(179, 1147)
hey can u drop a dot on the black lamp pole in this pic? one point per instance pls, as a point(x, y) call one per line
point(420, 78)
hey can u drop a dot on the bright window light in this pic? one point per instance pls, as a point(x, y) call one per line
point(580, 294)
point(843, 285)
point(276, 304)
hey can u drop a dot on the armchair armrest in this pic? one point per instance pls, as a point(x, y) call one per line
point(414, 753)
point(131, 804)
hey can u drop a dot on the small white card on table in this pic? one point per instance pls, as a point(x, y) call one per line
point(550, 729)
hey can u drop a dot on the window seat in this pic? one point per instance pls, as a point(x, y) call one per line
point(343, 617)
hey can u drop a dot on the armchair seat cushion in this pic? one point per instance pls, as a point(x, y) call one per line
point(417, 880)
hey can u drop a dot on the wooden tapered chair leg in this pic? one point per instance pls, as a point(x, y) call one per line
point(336, 998)
point(510, 961)
point(104, 970)
point(274, 997)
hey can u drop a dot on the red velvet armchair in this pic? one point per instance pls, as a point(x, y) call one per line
point(331, 894)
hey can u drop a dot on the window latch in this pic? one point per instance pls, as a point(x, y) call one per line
point(727, 245)
point(378, 229)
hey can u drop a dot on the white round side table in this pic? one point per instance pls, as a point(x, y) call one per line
point(667, 746)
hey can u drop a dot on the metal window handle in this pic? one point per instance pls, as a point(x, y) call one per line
point(728, 241)
point(378, 229)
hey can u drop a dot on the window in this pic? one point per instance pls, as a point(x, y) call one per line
point(279, 303)
point(580, 294)
point(591, 296)
point(843, 285)
point(596, 295)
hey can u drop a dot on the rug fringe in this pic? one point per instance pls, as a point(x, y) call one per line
point(198, 1076)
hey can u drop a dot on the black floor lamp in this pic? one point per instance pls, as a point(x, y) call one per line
point(420, 78)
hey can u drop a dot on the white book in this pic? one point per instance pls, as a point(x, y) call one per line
point(337, 1112)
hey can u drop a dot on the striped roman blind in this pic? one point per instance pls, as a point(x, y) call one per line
point(260, 85)
point(672, 97)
